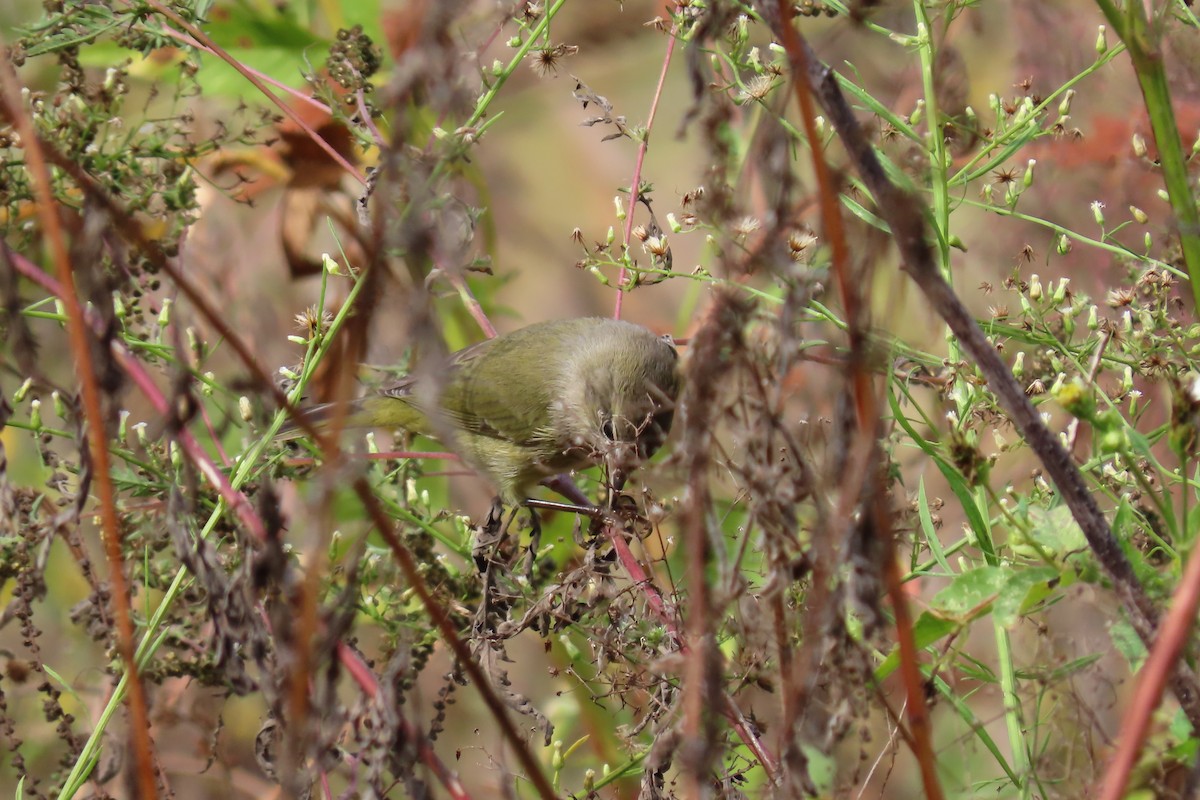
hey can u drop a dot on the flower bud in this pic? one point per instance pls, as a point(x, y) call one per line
point(1035, 288)
point(1064, 105)
point(1060, 293)
point(915, 117)
point(1101, 42)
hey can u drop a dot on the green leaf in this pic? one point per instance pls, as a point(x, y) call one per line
point(1053, 533)
point(932, 540)
point(970, 594)
point(1025, 588)
point(1128, 644)
point(928, 629)
point(822, 769)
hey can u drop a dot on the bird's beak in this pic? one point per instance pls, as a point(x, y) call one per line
point(619, 477)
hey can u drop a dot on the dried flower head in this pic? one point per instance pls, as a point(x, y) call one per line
point(545, 61)
point(799, 242)
point(1004, 176)
point(657, 246)
point(1120, 297)
point(311, 321)
point(746, 226)
point(757, 88)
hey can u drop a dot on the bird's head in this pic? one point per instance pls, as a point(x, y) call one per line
point(622, 402)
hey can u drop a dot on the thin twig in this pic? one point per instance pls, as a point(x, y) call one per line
point(904, 214)
point(48, 210)
point(866, 407)
point(636, 181)
point(217, 50)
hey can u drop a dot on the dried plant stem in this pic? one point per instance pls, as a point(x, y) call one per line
point(904, 215)
point(636, 181)
point(667, 616)
point(133, 233)
point(866, 408)
point(48, 214)
point(218, 51)
point(350, 659)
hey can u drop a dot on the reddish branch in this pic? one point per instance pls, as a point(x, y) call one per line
point(47, 209)
point(866, 405)
point(904, 214)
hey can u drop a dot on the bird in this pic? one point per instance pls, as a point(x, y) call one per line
point(546, 399)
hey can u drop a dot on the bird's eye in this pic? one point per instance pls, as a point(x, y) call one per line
point(607, 430)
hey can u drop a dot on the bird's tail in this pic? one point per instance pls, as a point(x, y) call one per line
point(377, 410)
point(321, 416)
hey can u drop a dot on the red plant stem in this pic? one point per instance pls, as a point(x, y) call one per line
point(280, 85)
point(658, 605)
point(637, 167)
point(47, 210)
point(141, 378)
point(249, 517)
point(867, 414)
point(217, 50)
point(1173, 634)
point(363, 676)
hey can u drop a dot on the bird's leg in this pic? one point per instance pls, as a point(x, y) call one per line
point(563, 485)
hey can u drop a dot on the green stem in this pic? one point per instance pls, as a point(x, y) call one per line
point(1130, 23)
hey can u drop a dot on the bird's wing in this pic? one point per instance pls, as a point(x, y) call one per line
point(491, 389)
point(507, 390)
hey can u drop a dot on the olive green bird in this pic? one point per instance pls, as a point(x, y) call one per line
point(543, 400)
